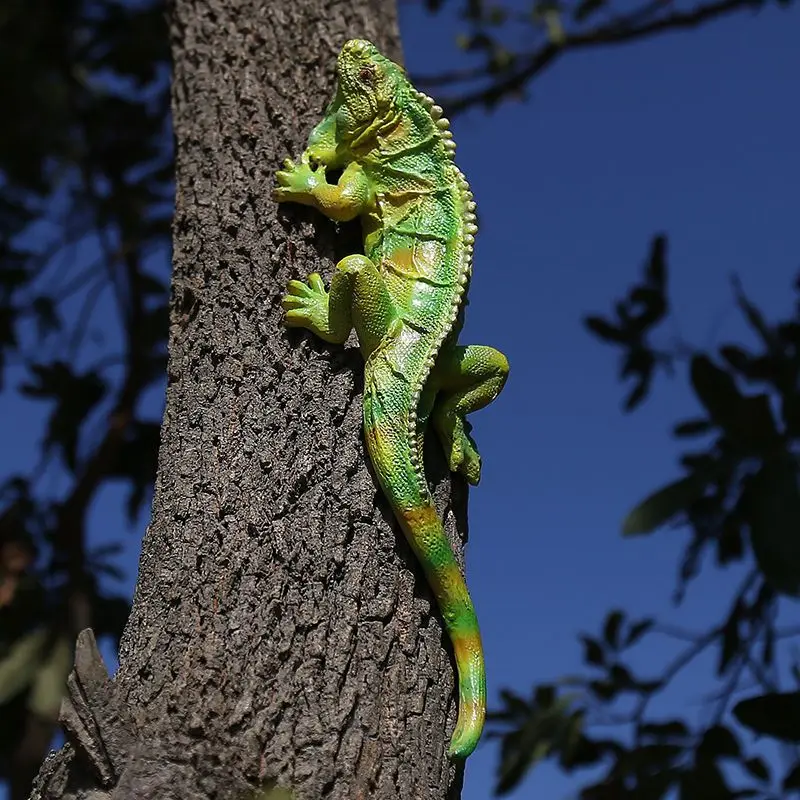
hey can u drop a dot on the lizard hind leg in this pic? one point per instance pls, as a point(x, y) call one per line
point(467, 378)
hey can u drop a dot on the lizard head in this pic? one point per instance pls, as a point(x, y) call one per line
point(371, 88)
point(371, 93)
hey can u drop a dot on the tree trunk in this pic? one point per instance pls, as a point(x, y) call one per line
point(281, 628)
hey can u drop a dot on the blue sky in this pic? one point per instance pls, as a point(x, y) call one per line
point(692, 134)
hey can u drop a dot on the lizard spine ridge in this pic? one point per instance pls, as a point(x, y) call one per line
point(442, 126)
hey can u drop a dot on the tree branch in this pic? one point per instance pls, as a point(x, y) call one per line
point(632, 27)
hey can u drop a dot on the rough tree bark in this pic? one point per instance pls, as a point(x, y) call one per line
point(281, 628)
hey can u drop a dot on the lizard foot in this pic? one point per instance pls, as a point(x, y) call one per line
point(297, 181)
point(306, 305)
point(459, 446)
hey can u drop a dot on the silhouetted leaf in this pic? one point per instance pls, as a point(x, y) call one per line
point(638, 393)
point(621, 677)
point(730, 641)
point(775, 714)
point(790, 413)
point(611, 628)
point(703, 782)
point(771, 504)
point(137, 461)
point(746, 420)
point(657, 265)
point(652, 307)
point(792, 779)
point(545, 695)
point(549, 727)
point(757, 768)
point(592, 651)
point(718, 742)
point(768, 648)
point(586, 9)
point(692, 427)
point(672, 729)
point(515, 707)
point(605, 330)
point(75, 395)
point(152, 285)
point(8, 338)
point(730, 544)
point(752, 314)
point(753, 368)
point(582, 753)
point(661, 506)
point(637, 630)
point(604, 689)
point(47, 319)
point(109, 615)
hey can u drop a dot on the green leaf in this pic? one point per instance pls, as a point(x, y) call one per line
point(20, 662)
point(50, 679)
point(775, 714)
point(771, 506)
point(661, 506)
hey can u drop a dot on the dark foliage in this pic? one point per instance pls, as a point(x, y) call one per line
point(508, 47)
point(85, 209)
point(739, 497)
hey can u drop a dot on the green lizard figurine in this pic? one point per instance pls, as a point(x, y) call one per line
point(405, 299)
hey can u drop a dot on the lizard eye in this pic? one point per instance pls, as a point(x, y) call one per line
point(366, 75)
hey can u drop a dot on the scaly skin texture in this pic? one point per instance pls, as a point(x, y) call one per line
point(405, 300)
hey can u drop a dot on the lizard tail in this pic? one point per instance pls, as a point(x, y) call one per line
point(393, 455)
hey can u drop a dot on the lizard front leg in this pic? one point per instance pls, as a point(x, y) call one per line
point(358, 299)
point(308, 305)
point(307, 183)
point(467, 378)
